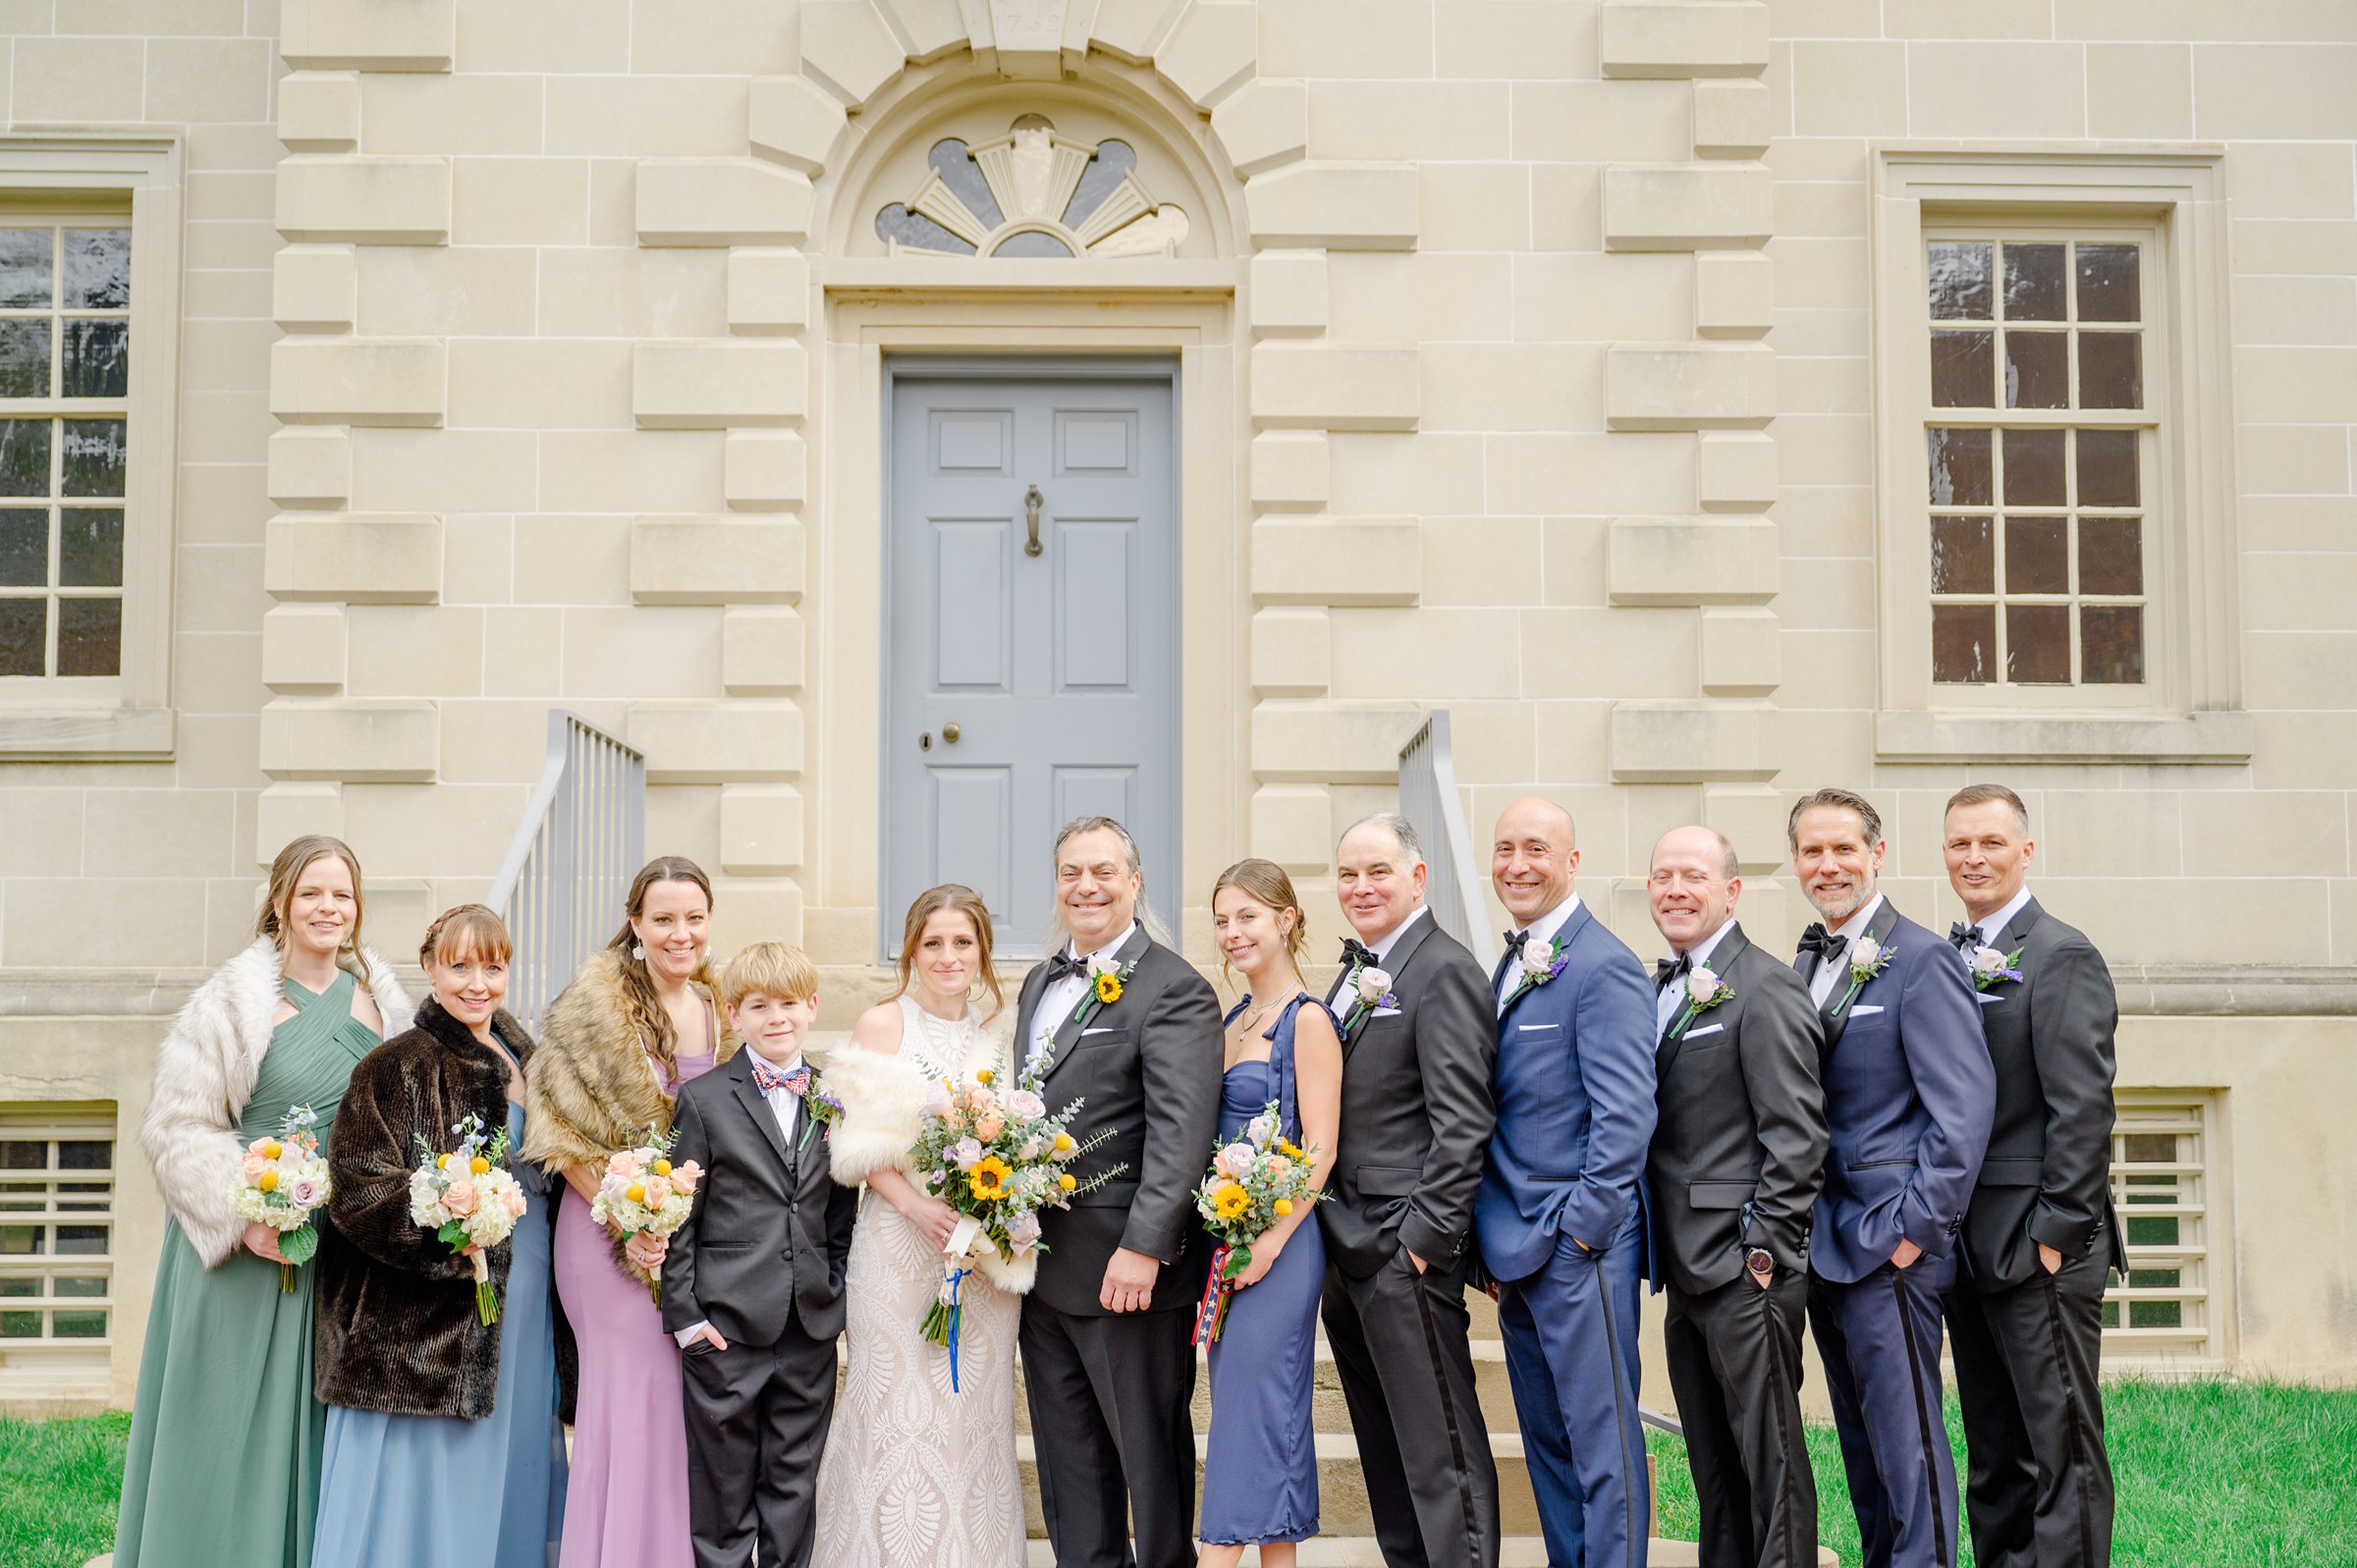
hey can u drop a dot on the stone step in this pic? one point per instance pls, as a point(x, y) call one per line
point(1515, 1551)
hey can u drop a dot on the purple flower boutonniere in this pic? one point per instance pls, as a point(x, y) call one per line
point(1867, 958)
point(1989, 966)
point(1372, 993)
point(1539, 965)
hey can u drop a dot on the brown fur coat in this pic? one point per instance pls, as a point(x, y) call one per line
point(591, 1087)
point(396, 1327)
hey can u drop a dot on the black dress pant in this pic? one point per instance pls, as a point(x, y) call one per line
point(1734, 1368)
point(1113, 1425)
point(757, 1419)
point(1401, 1348)
point(2038, 1485)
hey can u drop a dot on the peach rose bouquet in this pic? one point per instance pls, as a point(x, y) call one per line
point(470, 1201)
point(642, 1190)
point(280, 1183)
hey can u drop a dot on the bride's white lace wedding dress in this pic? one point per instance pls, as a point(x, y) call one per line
point(915, 1473)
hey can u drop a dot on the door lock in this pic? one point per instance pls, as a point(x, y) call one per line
point(950, 732)
point(1032, 501)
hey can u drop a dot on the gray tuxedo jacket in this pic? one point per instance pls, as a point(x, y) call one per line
point(2047, 1175)
point(1147, 1067)
point(1416, 1112)
point(1739, 1153)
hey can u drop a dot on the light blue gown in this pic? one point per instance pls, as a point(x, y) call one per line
point(406, 1491)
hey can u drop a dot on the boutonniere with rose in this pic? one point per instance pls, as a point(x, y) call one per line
point(1704, 991)
point(1373, 992)
point(1539, 965)
point(1989, 966)
point(1107, 975)
point(1867, 958)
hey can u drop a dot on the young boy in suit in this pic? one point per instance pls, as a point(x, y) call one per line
point(752, 1286)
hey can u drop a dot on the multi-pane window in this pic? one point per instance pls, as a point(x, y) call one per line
point(2161, 1185)
point(2036, 449)
point(57, 1203)
point(65, 399)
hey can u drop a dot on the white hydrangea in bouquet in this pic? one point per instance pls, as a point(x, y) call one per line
point(1253, 1182)
point(997, 1157)
point(642, 1190)
point(281, 1183)
point(469, 1199)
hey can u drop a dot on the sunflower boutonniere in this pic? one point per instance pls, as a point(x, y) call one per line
point(1106, 977)
point(1704, 991)
point(1867, 958)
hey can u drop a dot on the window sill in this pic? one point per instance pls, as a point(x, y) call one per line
point(85, 735)
point(1921, 735)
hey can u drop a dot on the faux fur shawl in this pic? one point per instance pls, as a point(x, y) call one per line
point(882, 1103)
point(591, 1087)
point(396, 1327)
point(204, 1073)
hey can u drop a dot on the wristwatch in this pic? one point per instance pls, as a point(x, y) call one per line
point(1758, 1261)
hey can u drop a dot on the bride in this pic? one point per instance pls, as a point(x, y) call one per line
point(914, 1471)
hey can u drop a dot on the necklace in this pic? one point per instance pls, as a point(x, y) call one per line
point(1259, 1014)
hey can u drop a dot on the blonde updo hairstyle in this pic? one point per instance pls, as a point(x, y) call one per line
point(286, 874)
point(963, 901)
point(1265, 883)
point(639, 1000)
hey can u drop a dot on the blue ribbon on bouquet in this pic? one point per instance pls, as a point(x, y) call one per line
point(956, 1313)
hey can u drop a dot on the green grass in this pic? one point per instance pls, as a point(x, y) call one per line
point(59, 1483)
point(2209, 1475)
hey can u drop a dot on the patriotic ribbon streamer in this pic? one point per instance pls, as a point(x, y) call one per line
point(1212, 1315)
point(957, 1316)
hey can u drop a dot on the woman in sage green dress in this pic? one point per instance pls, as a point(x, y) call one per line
point(225, 1437)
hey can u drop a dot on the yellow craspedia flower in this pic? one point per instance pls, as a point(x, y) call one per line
point(635, 1192)
point(984, 1076)
point(1109, 988)
point(1067, 1182)
point(444, 1162)
point(478, 1164)
point(1283, 1207)
point(988, 1179)
point(272, 1148)
point(662, 1167)
point(1228, 1200)
point(268, 1181)
point(1064, 1141)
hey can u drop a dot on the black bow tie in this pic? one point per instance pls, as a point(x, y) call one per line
point(1966, 937)
point(1665, 970)
point(1516, 940)
point(1063, 964)
point(1820, 941)
point(1356, 951)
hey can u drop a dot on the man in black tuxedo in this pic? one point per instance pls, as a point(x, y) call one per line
point(1135, 1035)
point(2041, 1235)
point(1737, 1158)
point(1420, 1042)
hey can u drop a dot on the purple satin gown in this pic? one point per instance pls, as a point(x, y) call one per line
point(628, 1503)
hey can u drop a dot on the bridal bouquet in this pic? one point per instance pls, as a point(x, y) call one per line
point(642, 1190)
point(998, 1156)
point(469, 1200)
point(1253, 1182)
point(281, 1182)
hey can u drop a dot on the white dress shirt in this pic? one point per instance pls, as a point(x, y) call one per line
point(787, 1107)
point(1382, 950)
point(1062, 999)
point(1836, 964)
point(1991, 928)
point(1542, 932)
point(1673, 995)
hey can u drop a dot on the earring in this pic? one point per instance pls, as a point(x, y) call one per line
point(639, 952)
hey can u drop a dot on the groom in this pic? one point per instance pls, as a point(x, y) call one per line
point(1133, 1033)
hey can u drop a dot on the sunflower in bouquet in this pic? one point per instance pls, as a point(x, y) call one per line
point(1255, 1180)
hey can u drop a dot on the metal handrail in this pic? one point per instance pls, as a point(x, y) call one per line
point(567, 870)
point(1428, 798)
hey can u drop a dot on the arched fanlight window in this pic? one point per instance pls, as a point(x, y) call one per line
point(1032, 193)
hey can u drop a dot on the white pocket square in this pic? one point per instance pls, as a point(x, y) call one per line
point(1988, 998)
point(1864, 1011)
point(1697, 1034)
point(1108, 1030)
point(1537, 1028)
point(1384, 1012)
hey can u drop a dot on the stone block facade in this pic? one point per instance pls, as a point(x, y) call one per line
point(1539, 362)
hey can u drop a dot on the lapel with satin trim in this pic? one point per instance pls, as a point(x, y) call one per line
point(1068, 1031)
point(1722, 957)
point(1878, 928)
point(1395, 963)
point(756, 1105)
point(2017, 928)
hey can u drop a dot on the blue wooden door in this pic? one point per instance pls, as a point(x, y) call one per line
point(1031, 667)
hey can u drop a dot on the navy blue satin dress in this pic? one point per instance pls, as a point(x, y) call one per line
point(1260, 1476)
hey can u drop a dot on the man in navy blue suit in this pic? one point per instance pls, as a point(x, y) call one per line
point(1909, 1094)
point(1561, 1211)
